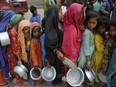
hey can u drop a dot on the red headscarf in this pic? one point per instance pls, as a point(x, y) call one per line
point(72, 33)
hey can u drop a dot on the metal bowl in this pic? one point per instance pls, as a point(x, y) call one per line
point(49, 74)
point(4, 39)
point(35, 74)
point(23, 67)
point(75, 77)
point(69, 63)
point(19, 71)
point(90, 75)
point(102, 77)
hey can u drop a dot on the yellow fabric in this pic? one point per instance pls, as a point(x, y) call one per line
point(98, 55)
point(21, 39)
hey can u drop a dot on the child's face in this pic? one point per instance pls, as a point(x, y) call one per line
point(35, 12)
point(36, 31)
point(60, 15)
point(112, 31)
point(91, 23)
point(102, 30)
point(26, 30)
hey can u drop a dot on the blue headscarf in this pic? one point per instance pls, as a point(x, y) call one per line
point(5, 20)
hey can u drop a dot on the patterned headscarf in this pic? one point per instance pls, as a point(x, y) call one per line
point(21, 39)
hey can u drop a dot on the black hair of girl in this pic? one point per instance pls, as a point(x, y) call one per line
point(112, 23)
point(32, 36)
point(92, 14)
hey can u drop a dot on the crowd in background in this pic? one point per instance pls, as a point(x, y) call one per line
point(83, 31)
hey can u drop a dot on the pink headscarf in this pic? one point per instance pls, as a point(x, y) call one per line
point(21, 39)
point(72, 33)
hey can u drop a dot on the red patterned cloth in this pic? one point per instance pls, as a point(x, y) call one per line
point(12, 59)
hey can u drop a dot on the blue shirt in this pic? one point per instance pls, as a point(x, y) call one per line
point(43, 49)
point(35, 18)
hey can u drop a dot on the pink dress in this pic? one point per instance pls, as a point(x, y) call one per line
point(72, 34)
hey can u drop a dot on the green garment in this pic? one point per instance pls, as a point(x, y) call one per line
point(97, 6)
point(15, 19)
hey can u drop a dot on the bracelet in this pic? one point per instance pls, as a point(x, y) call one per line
point(88, 63)
point(55, 50)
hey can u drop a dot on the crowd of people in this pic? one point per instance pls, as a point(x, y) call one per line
point(84, 32)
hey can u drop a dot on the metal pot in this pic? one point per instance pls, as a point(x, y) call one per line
point(4, 39)
point(90, 75)
point(21, 70)
point(23, 67)
point(102, 77)
point(75, 77)
point(48, 74)
point(69, 63)
point(35, 74)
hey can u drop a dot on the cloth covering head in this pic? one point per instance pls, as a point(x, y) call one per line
point(33, 24)
point(21, 38)
point(15, 19)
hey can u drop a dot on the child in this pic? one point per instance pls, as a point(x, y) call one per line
point(106, 8)
point(24, 44)
point(111, 61)
point(109, 47)
point(93, 5)
point(88, 46)
point(13, 50)
point(35, 16)
point(99, 45)
point(35, 47)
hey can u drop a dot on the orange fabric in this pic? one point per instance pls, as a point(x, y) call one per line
point(34, 24)
point(1, 77)
point(21, 39)
point(36, 53)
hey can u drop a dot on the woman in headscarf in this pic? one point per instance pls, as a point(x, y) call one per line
point(53, 40)
point(13, 51)
point(24, 44)
point(73, 29)
point(4, 20)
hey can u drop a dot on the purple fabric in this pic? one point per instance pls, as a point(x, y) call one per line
point(3, 59)
point(35, 18)
point(5, 20)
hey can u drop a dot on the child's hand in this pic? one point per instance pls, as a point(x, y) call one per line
point(48, 64)
point(88, 65)
point(19, 62)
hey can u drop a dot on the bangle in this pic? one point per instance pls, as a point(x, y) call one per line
point(88, 63)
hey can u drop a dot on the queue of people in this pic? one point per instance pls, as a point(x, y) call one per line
point(84, 34)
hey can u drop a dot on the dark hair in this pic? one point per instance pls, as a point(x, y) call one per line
point(101, 24)
point(112, 23)
point(91, 14)
point(33, 8)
